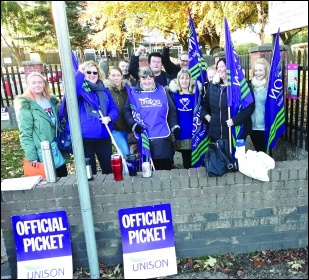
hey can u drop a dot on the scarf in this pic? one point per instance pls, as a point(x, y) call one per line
point(97, 95)
point(258, 84)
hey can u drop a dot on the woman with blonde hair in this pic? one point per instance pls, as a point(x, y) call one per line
point(259, 83)
point(37, 113)
point(182, 91)
point(94, 96)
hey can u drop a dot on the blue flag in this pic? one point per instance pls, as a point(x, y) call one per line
point(239, 95)
point(200, 138)
point(274, 106)
point(197, 68)
point(197, 64)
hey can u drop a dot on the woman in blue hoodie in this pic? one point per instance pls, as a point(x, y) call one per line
point(94, 98)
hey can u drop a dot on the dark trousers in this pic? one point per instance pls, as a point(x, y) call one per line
point(258, 141)
point(186, 158)
point(62, 171)
point(102, 148)
point(162, 164)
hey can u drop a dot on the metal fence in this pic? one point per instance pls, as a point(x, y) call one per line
point(13, 83)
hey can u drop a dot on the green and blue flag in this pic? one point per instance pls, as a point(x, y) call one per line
point(197, 68)
point(274, 106)
point(239, 95)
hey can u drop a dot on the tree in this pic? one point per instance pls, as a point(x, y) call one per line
point(10, 11)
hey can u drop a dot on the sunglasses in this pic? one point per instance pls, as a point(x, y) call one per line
point(94, 72)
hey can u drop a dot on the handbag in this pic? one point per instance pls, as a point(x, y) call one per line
point(217, 160)
point(64, 140)
point(63, 137)
point(57, 156)
point(30, 170)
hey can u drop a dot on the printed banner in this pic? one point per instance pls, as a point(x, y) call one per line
point(147, 241)
point(43, 246)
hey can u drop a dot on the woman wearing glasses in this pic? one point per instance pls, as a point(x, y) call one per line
point(97, 111)
point(150, 109)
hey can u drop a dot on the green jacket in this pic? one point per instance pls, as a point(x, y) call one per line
point(34, 124)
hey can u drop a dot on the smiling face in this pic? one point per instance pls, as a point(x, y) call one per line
point(92, 74)
point(184, 82)
point(221, 70)
point(259, 72)
point(124, 66)
point(36, 85)
point(116, 77)
point(184, 61)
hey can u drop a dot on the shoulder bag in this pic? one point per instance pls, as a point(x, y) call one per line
point(217, 160)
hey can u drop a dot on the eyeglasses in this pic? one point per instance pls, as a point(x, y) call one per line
point(94, 72)
point(184, 61)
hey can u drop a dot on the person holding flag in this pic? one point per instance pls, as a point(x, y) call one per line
point(97, 112)
point(151, 114)
point(215, 109)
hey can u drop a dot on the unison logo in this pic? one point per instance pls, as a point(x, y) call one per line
point(150, 265)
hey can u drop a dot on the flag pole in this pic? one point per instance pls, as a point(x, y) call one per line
point(230, 130)
point(117, 148)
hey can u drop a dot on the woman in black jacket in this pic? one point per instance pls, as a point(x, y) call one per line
point(215, 108)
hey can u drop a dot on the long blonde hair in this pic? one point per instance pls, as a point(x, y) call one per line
point(266, 65)
point(183, 72)
point(46, 92)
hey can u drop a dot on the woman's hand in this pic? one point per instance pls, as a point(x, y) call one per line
point(229, 122)
point(105, 120)
point(81, 68)
point(34, 163)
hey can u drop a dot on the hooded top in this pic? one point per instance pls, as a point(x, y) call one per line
point(34, 124)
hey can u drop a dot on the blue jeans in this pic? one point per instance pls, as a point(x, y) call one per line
point(121, 139)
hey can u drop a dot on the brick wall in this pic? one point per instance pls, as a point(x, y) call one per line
point(216, 215)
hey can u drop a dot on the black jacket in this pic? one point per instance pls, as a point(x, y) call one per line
point(134, 68)
point(171, 68)
point(215, 104)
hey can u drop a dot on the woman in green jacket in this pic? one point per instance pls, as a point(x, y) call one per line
point(37, 113)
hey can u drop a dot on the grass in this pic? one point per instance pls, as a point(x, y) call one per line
point(12, 156)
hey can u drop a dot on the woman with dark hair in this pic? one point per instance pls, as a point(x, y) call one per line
point(150, 108)
point(215, 108)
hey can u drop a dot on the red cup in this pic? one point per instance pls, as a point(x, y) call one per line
point(116, 163)
point(117, 171)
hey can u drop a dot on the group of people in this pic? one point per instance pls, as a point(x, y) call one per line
point(133, 100)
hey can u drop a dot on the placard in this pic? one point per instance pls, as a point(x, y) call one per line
point(43, 246)
point(147, 241)
point(5, 116)
point(292, 84)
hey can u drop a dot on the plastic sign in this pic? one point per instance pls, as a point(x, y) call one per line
point(147, 241)
point(292, 81)
point(43, 246)
point(5, 114)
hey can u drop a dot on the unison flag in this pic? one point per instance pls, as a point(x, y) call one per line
point(197, 64)
point(197, 68)
point(274, 106)
point(239, 95)
point(200, 138)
